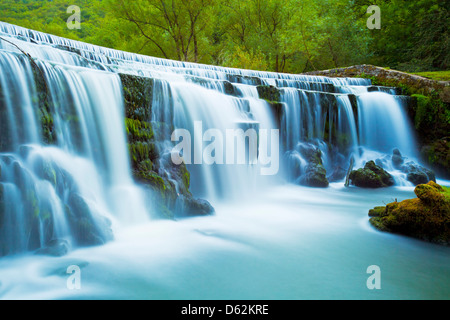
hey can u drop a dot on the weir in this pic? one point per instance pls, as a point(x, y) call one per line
point(66, 175)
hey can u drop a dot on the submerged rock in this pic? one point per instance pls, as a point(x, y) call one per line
point(338, 174)
point(371, 176)
point(397, 159)
point(417, 174)
point(315, 174)
point(88, 228)
point(195, 207)
point(426, 217)
point(56, 248)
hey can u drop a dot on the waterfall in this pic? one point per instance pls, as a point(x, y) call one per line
point(72, 192)
point(65, 173)
point(382, 124)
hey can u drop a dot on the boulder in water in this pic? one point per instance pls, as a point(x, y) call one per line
point(56, 248)
point(338, 174)
point(397, 159)
point(426, 217)
point(417, 174)
point(197, 207)
point(88, 228)
point(371, 176)
point(315, 174)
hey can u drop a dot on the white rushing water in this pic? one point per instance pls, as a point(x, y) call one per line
point(269, 239)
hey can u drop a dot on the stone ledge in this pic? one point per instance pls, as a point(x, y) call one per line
point(418, 82)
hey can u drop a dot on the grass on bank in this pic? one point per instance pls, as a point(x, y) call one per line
point(435, 75)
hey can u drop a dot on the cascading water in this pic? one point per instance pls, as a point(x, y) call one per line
point(66, 178)
point(87, 119)
point(317, 110)
point(382, 124)
point(70, 191)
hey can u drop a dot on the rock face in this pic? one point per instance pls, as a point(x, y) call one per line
point(437, 154)
point(315, 174)
point(167, 183)
point(427, 217)
point(388, 74)
point(371, 176)
point(269, 93)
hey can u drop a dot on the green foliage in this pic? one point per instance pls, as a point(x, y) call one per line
point(285, 36)
point(414, 35)
point(436, 75)
point(431, 116)
point(51, 17)
point(424, 111)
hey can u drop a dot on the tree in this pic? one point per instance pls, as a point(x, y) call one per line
point(175, 27)
point(281, 31)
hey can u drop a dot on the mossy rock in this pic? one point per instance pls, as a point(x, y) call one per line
point(371, 176)
point(195, 207)
point(88, 228)
point(437, 155)
point(230, 89)
point(138, 130)
point(237, 78)
point(417, 174)
point(46, 105)
point(426, 217)
point(269, 93)
point(138, 96)
point(315, 174)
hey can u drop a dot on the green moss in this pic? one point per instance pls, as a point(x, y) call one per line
point(269, 93)
point(46, 105)
point(186, 179)
point(154, 180)
point(164, 193)
point(141, 146)
point(138, 96)
point(371, 176)
point(138, 130)
point(142, 151)
point(424, 111)
point(446, 191)
point(431, 117)
point(377, 212)
point(426, 217)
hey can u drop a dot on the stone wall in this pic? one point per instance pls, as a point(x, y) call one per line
point(392, 77)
